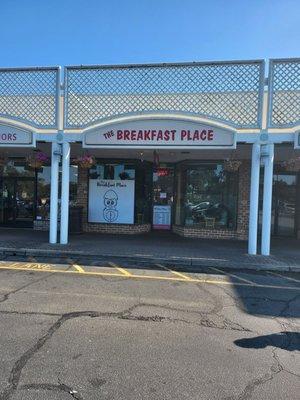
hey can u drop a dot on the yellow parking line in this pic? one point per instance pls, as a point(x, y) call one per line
point(186, 278)
point(76, 266)
point(124, 271)
point(79, 268)
point(284, 277)
point(233, 275)
point(152, 277)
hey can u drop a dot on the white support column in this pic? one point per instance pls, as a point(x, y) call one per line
point(65, 184)
point(254, 195)
point(54, 193)
point(267, 201)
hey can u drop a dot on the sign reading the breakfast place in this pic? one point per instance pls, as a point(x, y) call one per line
point(12, 136)
point(153, 133)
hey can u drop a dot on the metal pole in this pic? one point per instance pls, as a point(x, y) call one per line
point(54, 193)
point(267, 202)
point(65, 185)
point(254, 197)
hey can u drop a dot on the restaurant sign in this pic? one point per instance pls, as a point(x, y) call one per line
point(11, 136)
point(154, 133)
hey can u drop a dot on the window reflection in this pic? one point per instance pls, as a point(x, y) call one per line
point(43, 190)
point(210, 199)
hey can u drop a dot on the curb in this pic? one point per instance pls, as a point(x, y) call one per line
point(187, 263)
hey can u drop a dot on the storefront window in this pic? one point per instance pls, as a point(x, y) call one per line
point(25, 192)
point(113, 171)
point(17, 167)
point(43, 193)
point(43, 190)
point(207, 196)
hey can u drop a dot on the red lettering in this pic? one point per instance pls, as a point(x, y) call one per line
point(173, 134)
point(153, 134)
point(196, 135)
point(203, 135)
point(167, 135)
point(159, 135)
point(126, 135)
point(147, 135)
point(140, 135)
point(210, 135)
point(183, 134)
point(119, 135)
point(133, 135)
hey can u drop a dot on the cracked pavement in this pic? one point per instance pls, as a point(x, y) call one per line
point(82, 337)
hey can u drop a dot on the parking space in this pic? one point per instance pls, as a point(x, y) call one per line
point(164, 272)
point(73, 326)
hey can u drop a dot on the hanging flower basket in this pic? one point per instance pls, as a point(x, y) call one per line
point(292, 165)
point(85, 162)
point(232, 165)
point(37, 160)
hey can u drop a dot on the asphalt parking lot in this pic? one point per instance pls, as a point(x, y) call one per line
point(92, 329)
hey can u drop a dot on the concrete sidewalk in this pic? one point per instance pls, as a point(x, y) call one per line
point(153, 248)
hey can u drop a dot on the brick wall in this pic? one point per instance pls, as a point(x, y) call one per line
point(204, 233)
point(41, 225)
point(126, 229)
point(243, 200)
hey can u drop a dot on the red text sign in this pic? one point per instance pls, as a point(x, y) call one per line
point(155, 133)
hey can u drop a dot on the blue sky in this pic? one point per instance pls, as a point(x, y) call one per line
point(72, 32)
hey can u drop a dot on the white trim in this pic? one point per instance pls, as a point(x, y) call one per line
point(254, 197)
point(54, 192)
point(21, 130)
point(267, 200)
point(272, 137)
point(159, 115)
point(297, 140)
point(65, 189)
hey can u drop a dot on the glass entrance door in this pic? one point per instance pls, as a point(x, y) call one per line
point(163, 193)
point(17, 202)
point(7, 202)
point(284, 204)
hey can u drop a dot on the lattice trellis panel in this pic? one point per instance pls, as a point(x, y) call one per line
point(284, 105)
point(30, 95)
point(230, 92)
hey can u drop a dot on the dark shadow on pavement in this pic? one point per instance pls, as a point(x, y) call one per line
point(268, 301)
point(289, 341)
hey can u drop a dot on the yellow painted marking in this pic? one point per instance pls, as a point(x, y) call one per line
point(35, 264)
point(76, 266)
point(284, 277)
point(185, 277)
point(79, 268)
point(233, 275)
point(164, 278)
point(124, 271)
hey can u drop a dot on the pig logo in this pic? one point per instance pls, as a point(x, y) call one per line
point(110, 213)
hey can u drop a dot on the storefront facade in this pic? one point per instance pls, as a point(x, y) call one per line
point(204, 150)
